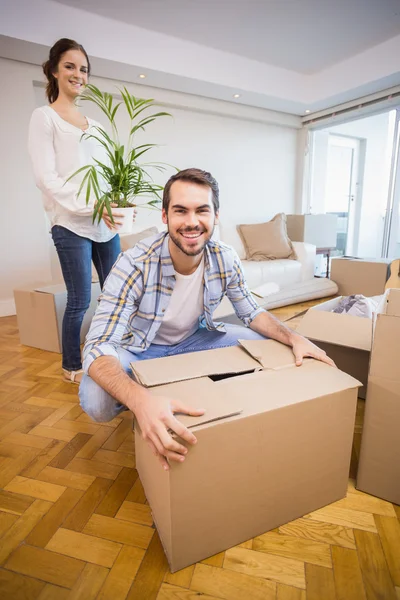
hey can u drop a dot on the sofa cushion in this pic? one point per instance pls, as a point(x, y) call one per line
point(267, 241)
point(282, 271)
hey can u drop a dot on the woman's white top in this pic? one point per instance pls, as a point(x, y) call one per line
point(57, 150)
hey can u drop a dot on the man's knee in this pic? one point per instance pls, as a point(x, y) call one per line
point(96, 402)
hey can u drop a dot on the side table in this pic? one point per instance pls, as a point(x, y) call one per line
point(326, 252)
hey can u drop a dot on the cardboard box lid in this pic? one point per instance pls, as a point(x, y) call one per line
point(272, 389)
point(339, 329)
point(47, 288)
point(205, 394)
point(51, 288)
point(269, 353)
point(245, 394)
point(381, 261)
point(221, 361)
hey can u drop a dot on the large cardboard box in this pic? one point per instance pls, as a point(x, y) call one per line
point(366, 276)
point(40, 310)
point(345, 338)
point(379, 467)
point(274, 444)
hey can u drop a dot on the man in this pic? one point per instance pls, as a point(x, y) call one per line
point(158, 301)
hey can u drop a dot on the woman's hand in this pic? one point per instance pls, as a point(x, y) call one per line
point(117, 216)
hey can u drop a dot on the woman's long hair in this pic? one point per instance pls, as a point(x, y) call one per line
point(51, 65)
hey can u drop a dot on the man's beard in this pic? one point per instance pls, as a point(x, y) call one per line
point(196, 251)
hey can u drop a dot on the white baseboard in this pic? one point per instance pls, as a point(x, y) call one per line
point(7, 307)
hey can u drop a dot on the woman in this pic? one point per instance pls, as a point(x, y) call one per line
point(56, 151)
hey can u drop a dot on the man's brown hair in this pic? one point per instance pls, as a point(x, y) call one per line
point(194, 176)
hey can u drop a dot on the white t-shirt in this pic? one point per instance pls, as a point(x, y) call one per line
point(57, 150)
point(181, 318)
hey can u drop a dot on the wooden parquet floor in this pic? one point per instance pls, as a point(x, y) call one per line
point(74, 522)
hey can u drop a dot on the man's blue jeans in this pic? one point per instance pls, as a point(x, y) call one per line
point(76, 254)
point(100, 406)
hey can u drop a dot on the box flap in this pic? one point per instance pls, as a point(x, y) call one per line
point(386, 348)
point(339, 329)
point(272, 389)
point(380, 261)
point(269, 353)
point(328, 305)
point(201, 393)
point(52, 288)
point(393, 302)
point(222, 361)
point(360, 276)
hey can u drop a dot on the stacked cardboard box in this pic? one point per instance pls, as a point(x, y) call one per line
point(379, 468)
point(369, 351)
point(273, 445)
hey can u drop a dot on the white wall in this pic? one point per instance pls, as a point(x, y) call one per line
point(24, 246)
point(253, 161)
point(319, 171)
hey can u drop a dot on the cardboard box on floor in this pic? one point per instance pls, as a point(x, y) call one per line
point(345, 338)
point(366, 276)
point(40, 310)
point(274, 444)
point(379, 465)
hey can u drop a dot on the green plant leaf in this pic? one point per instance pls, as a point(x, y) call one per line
point(77, 172)
point(123, 176)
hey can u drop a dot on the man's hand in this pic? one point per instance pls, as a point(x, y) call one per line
point(155, 415)
point(302, 347)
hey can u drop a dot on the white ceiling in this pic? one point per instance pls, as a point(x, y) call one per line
point(300, 35)
point(292, 56)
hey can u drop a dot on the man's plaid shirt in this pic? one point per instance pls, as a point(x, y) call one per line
point(138, 289)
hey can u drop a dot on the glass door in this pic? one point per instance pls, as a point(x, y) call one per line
point(391, 238)
point(341, 188)
point(353, 169)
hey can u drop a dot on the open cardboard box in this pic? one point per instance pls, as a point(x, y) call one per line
point(40, 310)
point(273, 445)
point(365, 276)
point(345, 338)
point(379, 466)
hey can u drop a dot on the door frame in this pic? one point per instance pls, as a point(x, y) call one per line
point(392, 217)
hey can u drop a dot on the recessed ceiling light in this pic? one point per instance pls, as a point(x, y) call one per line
point(236, 95)
point(142, 76)
point(307, 111)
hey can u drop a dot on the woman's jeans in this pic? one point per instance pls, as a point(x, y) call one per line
point(76, 254)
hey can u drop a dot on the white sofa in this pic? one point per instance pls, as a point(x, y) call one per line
point(284, 272)
point(294, 279)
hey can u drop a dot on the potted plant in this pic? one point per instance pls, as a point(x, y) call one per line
point(121, 179)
